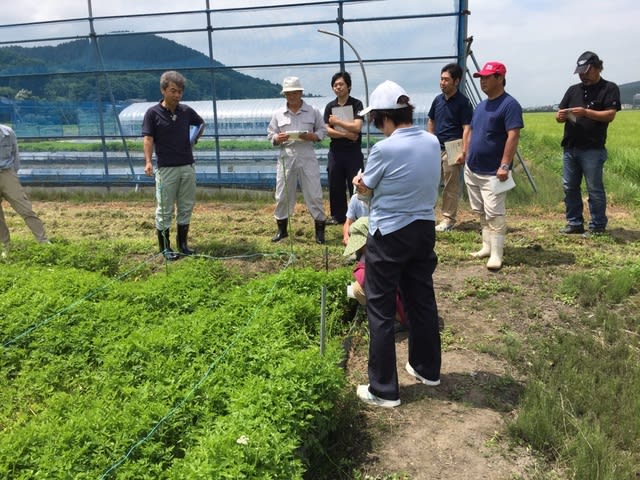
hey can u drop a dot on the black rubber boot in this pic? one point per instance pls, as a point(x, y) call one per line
point(165, 245)
point(282, 230)
point(181, 238)
point(320, 224)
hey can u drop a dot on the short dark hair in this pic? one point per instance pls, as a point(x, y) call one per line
point(346, 76)
point(396, 116)
point(454, 70)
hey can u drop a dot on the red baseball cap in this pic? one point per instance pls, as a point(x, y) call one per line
point(491, 68)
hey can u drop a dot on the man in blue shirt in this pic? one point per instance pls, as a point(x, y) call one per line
point(492, 143)
point(449, 116)
point(345, 157)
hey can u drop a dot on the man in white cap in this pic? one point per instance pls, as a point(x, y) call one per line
point(402, 177)
point(586, 110)
point(295, 127)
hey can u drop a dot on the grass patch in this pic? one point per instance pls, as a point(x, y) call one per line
point(603, 286)
point(581, 402)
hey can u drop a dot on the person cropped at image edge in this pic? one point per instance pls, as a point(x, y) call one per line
point(13, 192)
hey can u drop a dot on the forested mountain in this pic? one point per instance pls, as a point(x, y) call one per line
point(133, 64)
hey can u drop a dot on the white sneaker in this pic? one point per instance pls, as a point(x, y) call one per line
point(412, 372)
point(445, 226)
point(367, 397)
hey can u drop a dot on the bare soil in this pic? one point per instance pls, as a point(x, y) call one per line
point(459, 430)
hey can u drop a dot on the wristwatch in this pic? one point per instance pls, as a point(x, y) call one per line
point(505, 166)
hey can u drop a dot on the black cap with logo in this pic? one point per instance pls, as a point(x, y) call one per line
point(585, 60)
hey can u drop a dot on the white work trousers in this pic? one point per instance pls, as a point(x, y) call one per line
point(306, 172)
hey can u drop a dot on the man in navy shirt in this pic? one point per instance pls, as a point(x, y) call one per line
point(586, 110)
point(492, 142)
point(449, 116)
point(166, 129)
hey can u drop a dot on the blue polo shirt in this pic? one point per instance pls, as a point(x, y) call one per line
point(404, 172)
point(449, 116)
point(491, 121)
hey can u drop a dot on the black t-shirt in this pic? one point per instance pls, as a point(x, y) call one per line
point(585, 132)
point(171, 133)
point(356, 105)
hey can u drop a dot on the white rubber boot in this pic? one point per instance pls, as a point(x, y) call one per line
point(485, 251)
point(498, 231)
point(497, 250)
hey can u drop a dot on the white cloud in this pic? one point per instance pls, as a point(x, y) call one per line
point(538, 40)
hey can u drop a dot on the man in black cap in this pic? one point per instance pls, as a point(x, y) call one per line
point(586, 110)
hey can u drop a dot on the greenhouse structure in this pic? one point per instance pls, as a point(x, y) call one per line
point(90, 79)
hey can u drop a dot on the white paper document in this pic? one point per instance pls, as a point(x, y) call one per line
point(343, 113)
point(498, 187)
point(295, 134)
point(453, 149)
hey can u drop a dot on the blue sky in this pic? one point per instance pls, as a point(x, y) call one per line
point(539, 41)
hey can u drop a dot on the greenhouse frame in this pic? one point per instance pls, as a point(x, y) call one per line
point(364, 37)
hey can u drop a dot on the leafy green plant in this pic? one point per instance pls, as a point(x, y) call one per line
point(236, 387)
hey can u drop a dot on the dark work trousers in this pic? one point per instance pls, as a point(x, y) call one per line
point(403, 259)
point(342, 165)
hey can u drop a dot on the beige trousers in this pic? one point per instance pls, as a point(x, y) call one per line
point(12, 191)
point(482, 200)
point(452, 184)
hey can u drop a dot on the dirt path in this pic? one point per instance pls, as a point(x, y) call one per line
point(458, 429)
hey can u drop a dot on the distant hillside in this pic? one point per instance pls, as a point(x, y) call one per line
point(628, 90)
point(125, 52)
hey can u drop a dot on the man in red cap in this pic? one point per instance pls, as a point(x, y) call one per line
point(586, 110)
point(491, 143)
